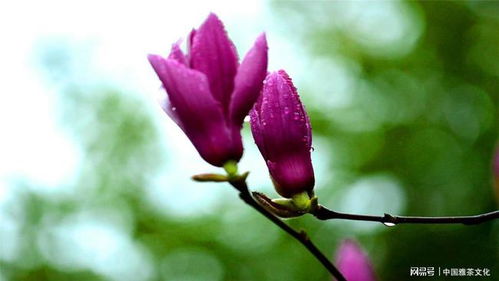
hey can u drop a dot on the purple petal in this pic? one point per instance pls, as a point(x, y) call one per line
point(354, 263)
point(248, 81)
point(199, 114)
point(292, 175)
point(214, 54)
point(257, 126)
point(287, 127)
point(166, 105)
point(189, 45)
point(177, 54)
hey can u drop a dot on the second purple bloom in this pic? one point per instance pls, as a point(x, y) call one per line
point(282, 132)
point(354, 263)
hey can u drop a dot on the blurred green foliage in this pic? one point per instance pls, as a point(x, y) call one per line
point(406, 114)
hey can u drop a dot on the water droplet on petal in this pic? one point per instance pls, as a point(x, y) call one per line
point(312, 149)
point(174, 108)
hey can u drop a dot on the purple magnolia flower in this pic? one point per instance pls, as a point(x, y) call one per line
point(353, 262)
point(282, 132)
point(208, 92)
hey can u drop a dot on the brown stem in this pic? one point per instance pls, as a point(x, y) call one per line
point(301, 236)
point(324, 213)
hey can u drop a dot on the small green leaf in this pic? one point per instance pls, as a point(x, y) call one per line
point(210, 178)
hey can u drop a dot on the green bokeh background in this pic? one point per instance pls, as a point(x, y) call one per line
point(406, 116)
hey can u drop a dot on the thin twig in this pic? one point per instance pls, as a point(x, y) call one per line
point(301, 236)
point(324, 213)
